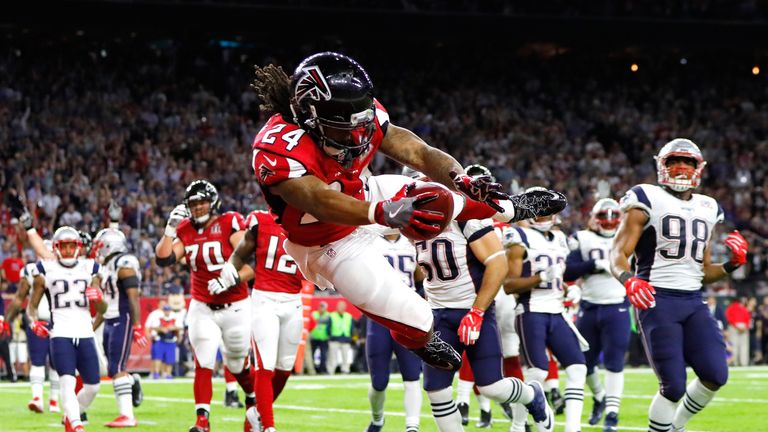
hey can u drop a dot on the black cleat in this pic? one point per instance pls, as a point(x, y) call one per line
point(137, 394)
point(464, 411)
point(611, 422)
point(485, 420)
point(556, 401)
point(506, 408)
point(598, 407)
point(439, 354)
point(374, 428)
point(84, 418)
point(232, 400)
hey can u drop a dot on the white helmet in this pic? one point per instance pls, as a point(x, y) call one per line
point(543, 223)
point(109, 241)
point(64, 235)
point(680, 178)
point(605, 217)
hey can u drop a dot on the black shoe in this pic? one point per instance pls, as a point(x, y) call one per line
point(598, 407)
point(374, 428)
point(232, 400)
point(556, 401)
point(485, 420)
point(611, 422)
point(137, 394)
point(527, 427)
point(439, 354)
point(506, 409)
point(464, 411)
point(84, 418)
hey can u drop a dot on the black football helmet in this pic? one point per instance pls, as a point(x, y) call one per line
point(87, 242)
point(332, 99)
point(475, 170)
point(202, 190)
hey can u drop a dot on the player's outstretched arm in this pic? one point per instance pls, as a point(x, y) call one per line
point(37, 245)
point(515, 283)
point(627, 236)
point(738, 246)
point(18, 300)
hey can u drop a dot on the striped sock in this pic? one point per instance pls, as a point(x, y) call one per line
point(614, 387)
point(696, 398)
point(660, 414)
point(444, 410)
point(122, 387)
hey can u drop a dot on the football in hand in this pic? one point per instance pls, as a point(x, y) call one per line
point(443, 204)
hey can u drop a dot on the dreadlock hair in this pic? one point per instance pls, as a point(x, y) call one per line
point(273, 87)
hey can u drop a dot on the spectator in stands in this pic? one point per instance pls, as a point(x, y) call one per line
point(5, 339)
point(340, 339)
point(165, 335)
point(717, 311)
point(318, 337)
point(11, 269)
point(763, 312)
point(738, 331)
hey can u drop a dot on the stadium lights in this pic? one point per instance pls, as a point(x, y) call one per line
point(683, 61)
point(755, 70)
point(634, 67)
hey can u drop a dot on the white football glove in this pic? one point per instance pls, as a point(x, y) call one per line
point(552, 273)
point(602, 265)
point(226, 280)
point(573, 296)
point(178, 214)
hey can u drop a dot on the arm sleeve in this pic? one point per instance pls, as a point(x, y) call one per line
point(576, 267)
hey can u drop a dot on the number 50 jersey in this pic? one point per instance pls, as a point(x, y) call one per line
point(670, 252)
point(206, 250)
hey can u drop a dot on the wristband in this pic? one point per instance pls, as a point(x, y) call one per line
point(730, 267)
point(624, 276)
point(170, 231)
point(372, 213)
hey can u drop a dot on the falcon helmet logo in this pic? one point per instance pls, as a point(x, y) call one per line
point(312, 84)
point(265, 172)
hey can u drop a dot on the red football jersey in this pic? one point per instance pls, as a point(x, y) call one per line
point(282, 151)
point(275, 270)
point(207, 250)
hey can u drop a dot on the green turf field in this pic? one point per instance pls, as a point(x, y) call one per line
point(341, 404)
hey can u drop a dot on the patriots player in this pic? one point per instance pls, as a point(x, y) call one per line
point(278, 319)
point(71, 287)
point(668, 229)
point(603, 317)
point(464, 267)
point(121, 277)
point(536, 257)
point(205, 239)
point(38, 347)
point(308, 158)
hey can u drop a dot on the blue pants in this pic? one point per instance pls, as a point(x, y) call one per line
point(379, 347)
point(484, 356)
point(539, 331)
point(164, 351)
point(38, 347)
point(680, 330)
point(606, 328)
point(80, 354)
point(118, 337)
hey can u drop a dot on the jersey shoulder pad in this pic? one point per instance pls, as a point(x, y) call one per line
point(560, 239)
point(710, 204)
point(236, 220)
point(382, 116)
point(475, 228)
point(281, 151)
point(127, 261)
point(514, 235)
point(637, 197)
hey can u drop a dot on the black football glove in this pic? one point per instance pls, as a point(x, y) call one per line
point(402, 211)
point(536, 203)
point(479, 188)
point(19, 210)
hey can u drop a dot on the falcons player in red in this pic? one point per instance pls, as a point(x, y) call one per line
point(311, 159)
point(198, 234)
point(277, 309)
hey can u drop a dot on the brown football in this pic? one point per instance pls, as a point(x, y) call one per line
point(443, 204)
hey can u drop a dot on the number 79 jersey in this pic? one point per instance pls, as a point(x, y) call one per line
point(206, 250)
point(670, 252)
point(275, 270)
point(65, 290)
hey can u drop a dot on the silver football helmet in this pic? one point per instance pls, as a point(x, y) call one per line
point(679, 178)
point(605, 217)
point(108, 242)
point(65, 235)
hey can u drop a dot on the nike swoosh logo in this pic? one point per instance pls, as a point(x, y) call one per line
point(622, 309)
point(394, 213)
point(272, 162)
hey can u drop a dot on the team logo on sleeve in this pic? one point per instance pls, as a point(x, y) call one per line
point(312, 84)
point(265, 172)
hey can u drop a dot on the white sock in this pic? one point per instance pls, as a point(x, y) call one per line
point(377, 405)
point(412, 402)
point(123, 395)
point(86, 396)
point(614, 388)
point(36, 379)
point(574, 396)
point(462, 391)
point(53, 376)
point(535, 374)
point(593, 381)
point(696, 398)
point(520, 413)
point(550, 384)
point(232, 386)
point(519, 416)
point(444, 410)
point(660, 413)
point(69, 403)
point(484, 402)
point(506, 390)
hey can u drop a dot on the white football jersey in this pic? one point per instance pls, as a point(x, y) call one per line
point(65, 289)
point(670, 252)
point(43, 309)
point(401, 255)
point(598, 288)
point(117, 301)
point(453, 273)
point(541, 252)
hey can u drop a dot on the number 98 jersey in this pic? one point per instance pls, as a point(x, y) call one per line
point(65, 289)
point(275, 270)
point(670, 252)
point(206, 250)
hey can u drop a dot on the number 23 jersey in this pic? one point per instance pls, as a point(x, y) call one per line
point(65, 290)
point(670, 252)
point(206, 250)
